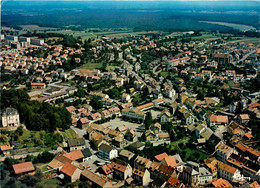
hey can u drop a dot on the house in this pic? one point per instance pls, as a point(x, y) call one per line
point(162, 172)
point(165, 117)
point(10, 118)
point(204, 176)
point(191, 174)
point(119, 142)
point(218, 120)
point(195, 175)
point(58, 162)
point(130, 135)
point(228, 172)
point(219, 183)
point(38, 85)
point(126, 105)
point(86, 154)
point(6, 149)
point(150, 135)
point(96, 116)
point(23, 168)
point(75, 155)
point(107, 170)
point(142, 162)
point(126, 155)
point(107, 152)
point(121, 170)
point(211, 164)
point(105, 114)
point(223, 152)
point(169, 161)
point(138, 145)
point(76, 144)
point(243, 118)
point(125, 98)
point(94, 180)
point(156, 128)
point(235, 129)
point(160, 157)
point(141, 175)
point(83, 122)
point(71, 173)
point(172, 182)
point(164, 136)
point(122, 129)
point(114, 110)
point(71, 109)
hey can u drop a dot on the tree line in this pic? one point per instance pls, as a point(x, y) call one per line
point(35, 115)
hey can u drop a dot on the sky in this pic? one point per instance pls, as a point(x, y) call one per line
point(132, 0)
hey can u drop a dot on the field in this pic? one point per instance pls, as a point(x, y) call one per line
point(36, 27)
point(247, 40)
point(240, 27)
point(90, 66)
point(69, 134)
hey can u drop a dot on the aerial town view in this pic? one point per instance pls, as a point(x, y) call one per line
point(130, 93)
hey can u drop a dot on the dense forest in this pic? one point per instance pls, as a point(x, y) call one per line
point(181, 16)
point(35, 115)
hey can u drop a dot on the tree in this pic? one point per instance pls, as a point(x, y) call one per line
point(96, 104)
point(19, 130)
point(148, 120)
point(30, 180)
point(80, 93)
point(126, 86)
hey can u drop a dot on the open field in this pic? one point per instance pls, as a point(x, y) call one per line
point(247, 40)
point(36, 27)
point(90, 66)
point(69, 134)
point(240, 27)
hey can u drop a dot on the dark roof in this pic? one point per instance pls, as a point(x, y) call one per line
point(105, 147)
point(137, 144)
point(76, 142)
point(86, 152)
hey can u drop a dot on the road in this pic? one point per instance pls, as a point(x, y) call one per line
point(246, 56)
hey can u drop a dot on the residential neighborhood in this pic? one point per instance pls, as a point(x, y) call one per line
point(147, 110)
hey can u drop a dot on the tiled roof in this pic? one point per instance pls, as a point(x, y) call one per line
point(161, 156)
point(221, 183)
point(23, 167)
point(74, 155)
point(170, 161)
point(5, 147)
point(94, 178)
point(227, 168)
point(68, 169)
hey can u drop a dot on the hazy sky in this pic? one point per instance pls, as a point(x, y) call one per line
point(132, 0)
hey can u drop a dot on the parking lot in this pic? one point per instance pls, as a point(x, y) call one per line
point(117, 122)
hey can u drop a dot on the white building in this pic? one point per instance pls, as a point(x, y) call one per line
point(107, 152)
point(10, 118)
point(133, 113)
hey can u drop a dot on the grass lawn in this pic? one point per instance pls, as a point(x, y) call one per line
point(50, 183)
point(69, 134)
point(193, 154)
point(91, 66)
point(247, 40)
point(205, 36)
point(164, 74)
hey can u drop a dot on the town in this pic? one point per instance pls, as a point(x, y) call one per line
point(152, 110)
